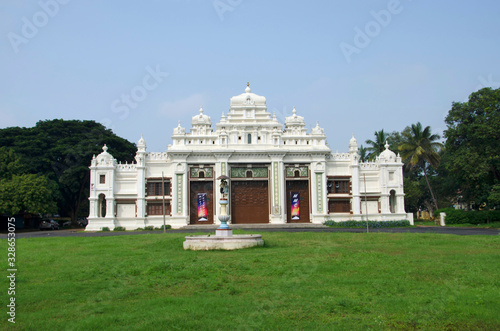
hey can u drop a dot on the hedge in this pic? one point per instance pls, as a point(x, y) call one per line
point(459, 216)
point(371, 224)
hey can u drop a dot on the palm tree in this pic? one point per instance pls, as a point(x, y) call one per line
point(419, 148)
point(363, 157)
point(378, 146)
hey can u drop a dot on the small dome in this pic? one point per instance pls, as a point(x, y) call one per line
point(104, 157)
point(353, 145)
point(294, 119)
point(141, 144)
point(388, 155)
point(317, 129)
point(179, 130)
point(201, 118)
point(141, 141)
point(353, 141)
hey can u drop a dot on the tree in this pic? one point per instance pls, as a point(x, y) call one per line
point(419, 149)
point(363, 157)
point(472, 142)
point(22, 192)
point(377, 146)
point(61, 150)
point(27, 193)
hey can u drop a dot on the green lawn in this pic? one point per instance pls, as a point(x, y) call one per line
point(492, 225)
point(298, 281)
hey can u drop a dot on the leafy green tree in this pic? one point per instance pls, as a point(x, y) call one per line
point(419, 149)
point(472, 142)
point(413, 194)
point(61, 150)
point(494, 196)
point(22, 192)
point(27, 193)
point(10, 163)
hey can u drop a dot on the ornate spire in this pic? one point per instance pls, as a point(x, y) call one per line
point(248, 90)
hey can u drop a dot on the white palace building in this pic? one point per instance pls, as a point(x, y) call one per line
point(277, 174)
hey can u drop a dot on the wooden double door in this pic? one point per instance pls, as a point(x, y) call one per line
point(301, 187)
point(249, 202)
point(196, 187)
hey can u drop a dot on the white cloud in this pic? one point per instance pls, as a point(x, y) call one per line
point(180, 108)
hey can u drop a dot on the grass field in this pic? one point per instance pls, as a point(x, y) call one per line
point(298, 281)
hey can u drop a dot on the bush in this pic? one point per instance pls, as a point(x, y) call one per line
point(119, 228)
point(149, 228)
point(105, 229)
point(166, 227)
point(371, 224)
point(459, 216)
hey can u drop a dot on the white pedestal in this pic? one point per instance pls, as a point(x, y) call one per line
point(442, 217)
point(224, 232)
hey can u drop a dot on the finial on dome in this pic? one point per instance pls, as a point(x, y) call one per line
point(317, 124)
point(105, 148)
point(386, 145)
point(248, 90)
point(179, 124)
point(201, 110)
point(294, 111)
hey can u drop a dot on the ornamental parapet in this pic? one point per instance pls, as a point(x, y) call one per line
point(162, 156)
point(127, 167)
point(369, 165)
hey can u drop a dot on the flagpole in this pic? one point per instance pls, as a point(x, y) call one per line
point(163, 194)
point(366, 204)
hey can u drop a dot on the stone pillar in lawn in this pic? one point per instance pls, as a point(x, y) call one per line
point(224, 230)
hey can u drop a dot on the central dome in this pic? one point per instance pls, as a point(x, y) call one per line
point(248, 99)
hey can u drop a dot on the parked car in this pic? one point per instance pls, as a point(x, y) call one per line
point(67, 224)
point(83, 221)
point(49, 225)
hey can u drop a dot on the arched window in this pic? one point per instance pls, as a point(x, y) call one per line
point(296, 173)
point(101, 212)
point(201, 174)
point(249, 174)
point(249, 138)
point(392, 201)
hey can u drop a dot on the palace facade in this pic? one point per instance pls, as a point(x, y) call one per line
point(278, 173)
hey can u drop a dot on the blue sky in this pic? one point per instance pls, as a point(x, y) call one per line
point(354, 66)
